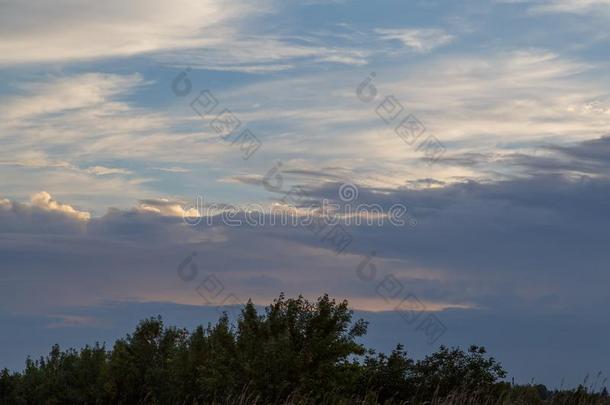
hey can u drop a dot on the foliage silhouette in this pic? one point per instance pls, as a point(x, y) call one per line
point(296, 352)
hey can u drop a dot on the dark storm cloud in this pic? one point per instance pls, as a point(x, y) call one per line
point(590, 157)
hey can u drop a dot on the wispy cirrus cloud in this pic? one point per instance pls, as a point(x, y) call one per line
point(83, 125)
point(210, 34)
point(104, 171)
point(570, 6)
point(418, 39)
point(264, 54)
point(38, 31)
point(502, 102)
point(67, 93)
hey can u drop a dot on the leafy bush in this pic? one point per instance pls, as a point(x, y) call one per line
point(296, 352)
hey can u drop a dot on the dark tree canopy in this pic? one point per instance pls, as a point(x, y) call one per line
point(295, 352)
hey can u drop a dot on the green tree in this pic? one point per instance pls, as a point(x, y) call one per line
point(295, 350)
point(452, 369)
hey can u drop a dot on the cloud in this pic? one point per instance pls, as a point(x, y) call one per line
point(69, 93)
point(104, 171)
point(546, 225)
point(42, 215)
point(37, 159)
point(511, 223)
point(210, 34)
point(588, 158)
point(134, 254)
point(517, 95)
point(71, 321)
point(86, 117)
point(492, 103)
point(174, 169)
point(592, 150)
point(418, 39)
point(43, 32)
point(474, 245)
point(470, 102)
point(570, 6)
point(166, 207)
point(58, 129)
point(264, 54)
point(45, 202)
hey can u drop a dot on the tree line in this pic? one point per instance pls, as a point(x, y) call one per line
point(296, 352)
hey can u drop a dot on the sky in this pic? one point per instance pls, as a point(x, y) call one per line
point(136, 136)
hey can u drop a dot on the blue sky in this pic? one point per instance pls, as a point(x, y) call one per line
point(100, 159)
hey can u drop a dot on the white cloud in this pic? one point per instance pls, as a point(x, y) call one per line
point(167, 207)
point(470, 102)
point(103, 171)
point(262, 54)
point(42, 31)
point(67, 93)
point(210, 34)
point(57, 131)
point(41, 215)
point(496, 102)
point(173, 169)
point(45, 202)
point(418, 39)
point(571, 6)
point(36, 159)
